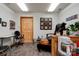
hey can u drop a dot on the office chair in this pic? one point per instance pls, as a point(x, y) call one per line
point(49, 37)
point(60, 28)
point(18, 38)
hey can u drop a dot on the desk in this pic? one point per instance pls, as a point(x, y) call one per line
point(5, 37)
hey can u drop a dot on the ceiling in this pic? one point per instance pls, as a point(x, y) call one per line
point(36, 7)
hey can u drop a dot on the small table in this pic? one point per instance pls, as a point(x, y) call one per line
point(5, 37)
point(3, 49)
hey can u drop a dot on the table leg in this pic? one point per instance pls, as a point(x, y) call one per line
point(1, 42)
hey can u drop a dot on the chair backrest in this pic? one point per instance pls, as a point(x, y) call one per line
point(49, 37)
point(17, 33)
point(59, 28)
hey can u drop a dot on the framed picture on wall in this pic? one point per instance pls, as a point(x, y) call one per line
point(12, 24)
point(46, 23)
point(4, 24)
point(72, 17)
point(0, 20)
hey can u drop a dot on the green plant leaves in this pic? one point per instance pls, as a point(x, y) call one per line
point(73, 27)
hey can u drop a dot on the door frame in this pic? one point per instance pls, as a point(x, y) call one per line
point(21, 23)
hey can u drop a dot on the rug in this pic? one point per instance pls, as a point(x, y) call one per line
point(27, 50)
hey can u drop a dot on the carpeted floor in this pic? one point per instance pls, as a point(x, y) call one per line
point(27, 50)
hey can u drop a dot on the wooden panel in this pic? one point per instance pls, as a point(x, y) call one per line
point(54, 44)
point(27, 29)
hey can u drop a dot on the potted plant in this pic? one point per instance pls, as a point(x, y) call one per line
point(73, 29)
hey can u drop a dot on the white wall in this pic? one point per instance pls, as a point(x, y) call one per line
point(6, 14)
point(71, 10)
point(36, 23)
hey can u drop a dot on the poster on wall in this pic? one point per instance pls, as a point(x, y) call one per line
point(72, 17)
point(12, 24)
point(4, 24)
point(46, 23)
point(0, 20)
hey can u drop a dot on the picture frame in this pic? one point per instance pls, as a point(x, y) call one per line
point(0, 20)
point(45, 23)
point(12, 24)
point(72, 17)
point(4, 24)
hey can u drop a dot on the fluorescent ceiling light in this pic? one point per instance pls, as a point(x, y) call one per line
point(52, 7)
point(22, 6)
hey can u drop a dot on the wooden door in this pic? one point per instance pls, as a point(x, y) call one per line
point(27, 29)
